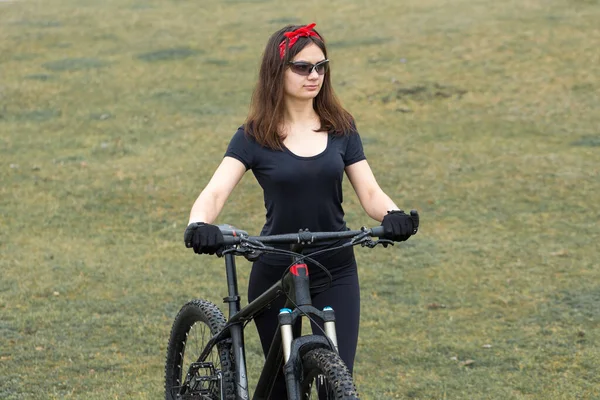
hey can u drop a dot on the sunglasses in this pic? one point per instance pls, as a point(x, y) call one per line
point(305, 68)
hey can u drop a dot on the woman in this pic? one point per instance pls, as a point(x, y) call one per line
point(298, 141)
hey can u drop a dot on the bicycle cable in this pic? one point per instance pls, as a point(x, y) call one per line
point(325, 286)
point(301, 257)
point(308, 257)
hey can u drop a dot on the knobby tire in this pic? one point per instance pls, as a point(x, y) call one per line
point(197, 320)
point(325, 373)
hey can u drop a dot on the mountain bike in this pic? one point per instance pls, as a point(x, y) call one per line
point(206, 357)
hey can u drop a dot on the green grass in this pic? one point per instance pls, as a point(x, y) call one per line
point(483, 115)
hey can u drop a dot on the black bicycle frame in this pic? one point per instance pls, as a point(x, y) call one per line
point(297, 285)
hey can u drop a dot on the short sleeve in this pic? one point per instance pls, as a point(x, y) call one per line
point(354, 150)
point(241, 148)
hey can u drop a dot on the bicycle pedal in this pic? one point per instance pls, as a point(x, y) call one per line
point(203, 372)
point(202, 378)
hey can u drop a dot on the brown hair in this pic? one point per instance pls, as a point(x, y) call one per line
point(267, 106)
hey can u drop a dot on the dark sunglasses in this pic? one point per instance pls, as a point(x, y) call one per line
point(304, 68)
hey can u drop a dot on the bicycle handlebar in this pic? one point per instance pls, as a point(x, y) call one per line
point(234, 236)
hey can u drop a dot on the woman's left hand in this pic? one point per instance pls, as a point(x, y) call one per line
point(397, 226)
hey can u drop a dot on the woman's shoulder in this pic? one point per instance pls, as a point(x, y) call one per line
point(344, 130)
point(243, 134)
point(246, 132)
point(243, 147)
point(346, 135)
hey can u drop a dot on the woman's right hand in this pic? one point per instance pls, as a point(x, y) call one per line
point(203, 238)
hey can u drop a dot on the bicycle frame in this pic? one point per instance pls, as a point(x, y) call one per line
point(296, 284)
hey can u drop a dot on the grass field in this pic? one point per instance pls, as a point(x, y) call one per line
point(483, 115)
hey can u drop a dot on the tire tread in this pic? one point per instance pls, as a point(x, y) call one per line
point(331, 365)
point(199, 310)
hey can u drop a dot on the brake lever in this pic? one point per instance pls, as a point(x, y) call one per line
point(372, 243)
point(254, 244)
point(235, 251)
point(361, 237)
point(249, 253)
point(253, 255)
point(251, 250)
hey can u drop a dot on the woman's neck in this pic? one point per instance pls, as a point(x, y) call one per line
point(299, 112)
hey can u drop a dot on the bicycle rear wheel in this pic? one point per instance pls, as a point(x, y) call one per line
point(185, 379)
point(326, 377)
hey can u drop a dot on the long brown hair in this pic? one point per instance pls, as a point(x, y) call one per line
point(267, 105)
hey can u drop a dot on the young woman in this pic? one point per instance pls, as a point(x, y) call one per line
point(298, 141)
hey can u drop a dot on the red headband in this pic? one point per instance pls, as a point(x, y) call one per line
point(305, 31)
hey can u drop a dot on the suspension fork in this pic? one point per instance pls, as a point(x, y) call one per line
point(299, 280)
point(291, 341)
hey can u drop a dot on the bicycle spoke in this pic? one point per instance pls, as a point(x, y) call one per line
point(187, 377)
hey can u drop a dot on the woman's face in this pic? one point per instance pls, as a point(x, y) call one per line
point(305, 87)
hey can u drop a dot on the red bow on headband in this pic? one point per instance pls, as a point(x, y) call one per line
point(305, 31)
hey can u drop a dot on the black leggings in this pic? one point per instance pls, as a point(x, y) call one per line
point(343, 296)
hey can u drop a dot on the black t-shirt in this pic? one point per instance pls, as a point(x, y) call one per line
point(300, 192)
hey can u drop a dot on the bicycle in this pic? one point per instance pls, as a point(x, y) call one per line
point(310, 363)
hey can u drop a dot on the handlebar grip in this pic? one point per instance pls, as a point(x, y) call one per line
point(231, 234)
point(231, 240)
point(377, 231)
point(230, 230)
point(414, 214)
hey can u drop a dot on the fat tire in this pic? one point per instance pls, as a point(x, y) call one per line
point(194, 312)
point(328, 364)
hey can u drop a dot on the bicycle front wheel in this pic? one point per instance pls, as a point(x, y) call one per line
point(326, 377)
point(197, 322)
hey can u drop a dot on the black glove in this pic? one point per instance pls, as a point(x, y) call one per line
point(203, 238)
point(397, 226)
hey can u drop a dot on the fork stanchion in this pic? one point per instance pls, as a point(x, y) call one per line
point(285, 320)
point(329, 323)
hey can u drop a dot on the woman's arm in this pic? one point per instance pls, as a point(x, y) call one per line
point(375, 202)
point(209, 204)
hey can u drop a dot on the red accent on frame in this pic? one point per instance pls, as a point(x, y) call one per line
point(296, 267)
